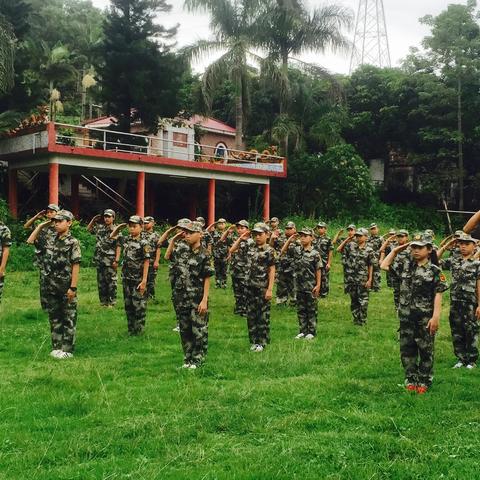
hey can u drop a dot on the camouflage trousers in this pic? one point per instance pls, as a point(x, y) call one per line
point(193, 333)
point(220, 265)
point(258, 316)
point(151, 280)
point(43, 292)
point(286, 287)
point(2, 284)
point(396, 295)
point(325, 283)
point(359, 296)
point(62, 315)
point(389, 278)
point(239, 285)
point(135, 306)
point(376, 278)
point(416, 348)
point(107, 284)
point(465, 328)
point(307, 306)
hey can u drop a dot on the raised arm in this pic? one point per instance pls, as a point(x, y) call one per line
point(290, 239)
point(445, 247)
point(237, 242)
point(342, 246)
point(27, 225)
point(385, 265)
point(93, 221)
point(171, 245)
point(116, 230)
point(226, 233)
point(337, 236)
point(34, 235)
point(472, 223)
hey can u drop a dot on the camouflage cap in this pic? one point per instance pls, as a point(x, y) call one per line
point(421, 240)
point(392, 231)
point(243, 223)
point(322, 225)
point(193, 227)
point(290, 225)
point(465, 237)
point(361, 232)
point(135, 219)
point(402, 233)
point(54, 207)
point(261, 228)
point(430, 232)
point(200, 220)
point(306, 231)
point(351, 227)
point(108, 213)
point(373, 225)
point(221, 220)
point(458, 233)
point(63, 215)
point(183, 221)
point(148, 219)
point(274, 219)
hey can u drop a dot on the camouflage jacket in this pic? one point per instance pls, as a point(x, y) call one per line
point(105, 246)
point(241, 259)
point(399, 258)
point(286, 262)
point(58, 257)
point(260, 260)
point(465, 274)
point(207, 240)
point(307, 264)
point(45, 237)
point(455, 255)
point(418, 286)
point(220, 249)
point(356, 262)
point(191, 267)
point(152, 239)
point(375, 242)
point(279, 241)
point(181, 249)
point(135, 252)
point(324, 246)
point(5, 238)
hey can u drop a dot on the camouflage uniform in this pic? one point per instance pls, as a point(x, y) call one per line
point(356, 264)
point(5, 241)
point(286, 275)
point(260, 259)
point(239, 268)
point(58, 256)
point(45, 238)
point(104, 258)
point(389, 275)
point(463, 304)
point(375, 243)
point(135, 252)
point(220, 253)
point(395, 281)
point(418, 286)
point(307, 263)
point(152, 239)
point(324, 246)
point(207, 240)
point(192, 267)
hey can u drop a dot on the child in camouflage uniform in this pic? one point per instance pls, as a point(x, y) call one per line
point(375, 242)
point(135, 264)
point(464, 299)
point(220, 252)
point(358, 260)
point(421, 286)
point(190, 293)
point(324, 245)
point(61, 262)
point(43, 236)
point(260, 280)
point(239, 264)
point(308, 266)
point(104, 257)
point(5, 244)
point(152, 237)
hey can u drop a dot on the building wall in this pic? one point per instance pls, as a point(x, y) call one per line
point(212, 140)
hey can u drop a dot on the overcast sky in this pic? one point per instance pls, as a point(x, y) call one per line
point(402, 16)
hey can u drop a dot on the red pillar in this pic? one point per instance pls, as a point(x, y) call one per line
point(150, 198)
point(141, 194)
point(211, 201)
point(75, 199)
point(266, 202)
point(12, 192)
point(53, 175)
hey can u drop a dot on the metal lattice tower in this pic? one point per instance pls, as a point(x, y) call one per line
point(370, 43)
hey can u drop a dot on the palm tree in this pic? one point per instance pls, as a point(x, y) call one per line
point(7, 49)
point(233, 24)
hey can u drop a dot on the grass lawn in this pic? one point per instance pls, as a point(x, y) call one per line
point(122, 408)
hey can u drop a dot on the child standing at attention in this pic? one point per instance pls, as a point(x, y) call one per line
point(420, 306)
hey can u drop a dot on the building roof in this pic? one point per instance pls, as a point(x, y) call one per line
point(212, 125)
point(100, 122)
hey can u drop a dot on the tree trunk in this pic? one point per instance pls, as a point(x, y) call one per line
point(460, 147)
point(239, 117)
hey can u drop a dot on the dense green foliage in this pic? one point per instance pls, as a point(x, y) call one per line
point(122, 408)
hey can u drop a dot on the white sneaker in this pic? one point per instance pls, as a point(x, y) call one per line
point(54, 353)
point(471, 366)
point(300, 335)
point(176, 329)
point(459, 364)
point(309, 337)
point(259, 348)
point(192, 367)
point(186, 365)
point(63, 355)
point(253, 347)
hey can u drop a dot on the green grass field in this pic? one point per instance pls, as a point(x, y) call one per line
point(123, 409)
